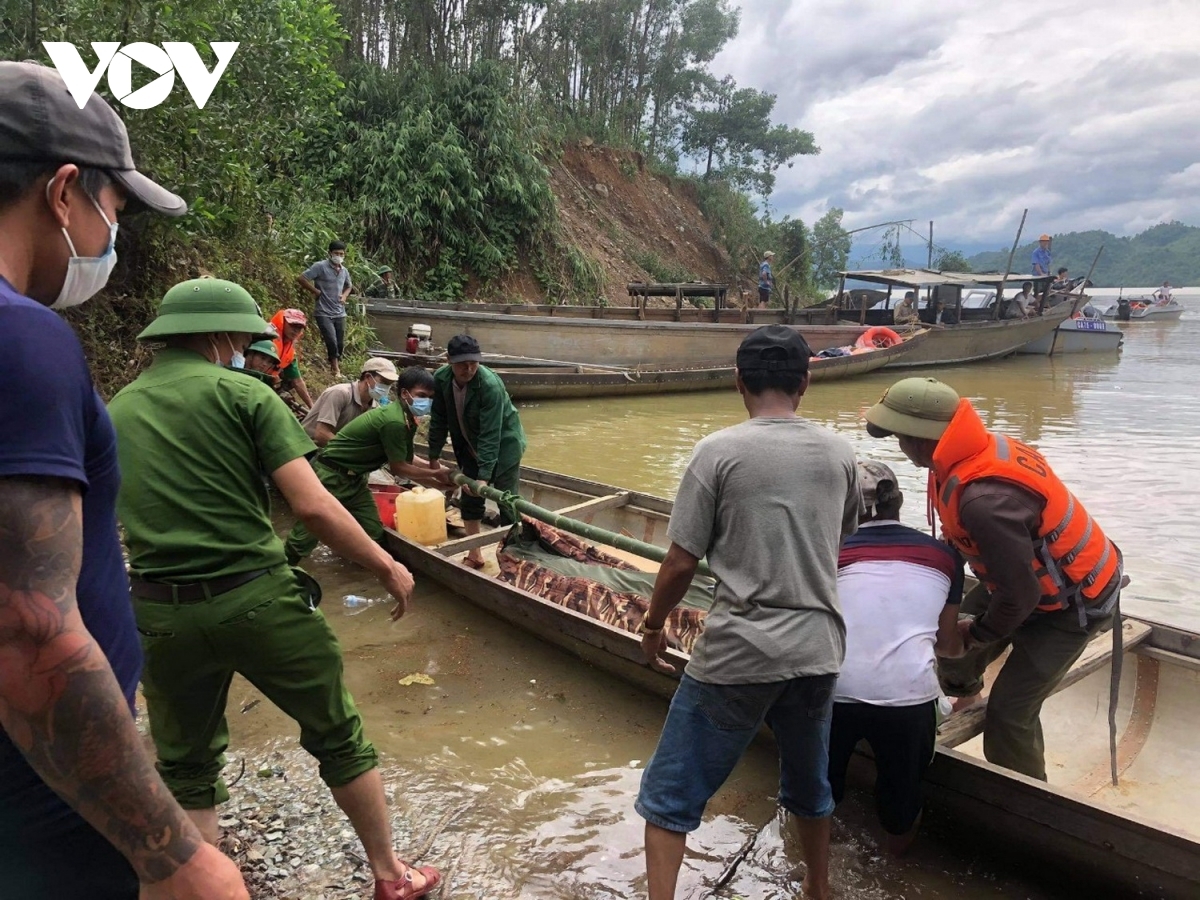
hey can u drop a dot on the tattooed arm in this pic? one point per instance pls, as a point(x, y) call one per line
point(62, 707)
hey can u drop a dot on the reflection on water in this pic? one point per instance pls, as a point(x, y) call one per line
point(1120, 430)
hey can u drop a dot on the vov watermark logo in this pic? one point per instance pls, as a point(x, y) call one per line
point(171, 58)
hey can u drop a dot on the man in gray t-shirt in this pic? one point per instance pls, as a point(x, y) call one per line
point(768, 502)
point(328, 280)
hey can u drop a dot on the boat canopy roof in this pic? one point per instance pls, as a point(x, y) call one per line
point(932, 277)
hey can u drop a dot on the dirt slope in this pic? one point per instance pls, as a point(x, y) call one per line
point(638, 226)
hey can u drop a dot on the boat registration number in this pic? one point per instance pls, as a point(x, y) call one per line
point(1090, 325)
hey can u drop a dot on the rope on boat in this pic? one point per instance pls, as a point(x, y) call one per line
point(515, 506)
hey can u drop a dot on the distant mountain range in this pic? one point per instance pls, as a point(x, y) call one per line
point(1163, 253)
point(1168, 252)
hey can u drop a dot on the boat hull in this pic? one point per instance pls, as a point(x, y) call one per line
point(1122, 851)
point(977, 341)
point(1149, 313)
point(609, 341)
point(1078, 336)
point(563, 381)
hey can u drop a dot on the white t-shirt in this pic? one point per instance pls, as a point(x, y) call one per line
point(893, 583)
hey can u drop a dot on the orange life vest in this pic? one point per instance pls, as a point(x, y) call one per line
point(285, 349)
point(1073, 557)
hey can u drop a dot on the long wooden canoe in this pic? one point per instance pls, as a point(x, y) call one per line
point(1142, 838)
point(604, 336)
point(553, 380)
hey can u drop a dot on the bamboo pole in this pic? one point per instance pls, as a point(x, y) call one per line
point(583, 529)
point(1008, 268)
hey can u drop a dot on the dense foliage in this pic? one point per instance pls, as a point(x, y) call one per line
point(417, 132)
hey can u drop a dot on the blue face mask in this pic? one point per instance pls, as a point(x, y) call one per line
point(238, 361)
point(380, 392)
point(422, 406)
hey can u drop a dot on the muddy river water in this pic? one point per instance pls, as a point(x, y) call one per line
point(542, 754)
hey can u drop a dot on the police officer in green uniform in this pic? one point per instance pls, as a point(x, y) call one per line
point(213, 593)
point(381, 437)
point(472, 406)
point(385, 288)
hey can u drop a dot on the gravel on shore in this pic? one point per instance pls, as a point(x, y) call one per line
point(292, 842)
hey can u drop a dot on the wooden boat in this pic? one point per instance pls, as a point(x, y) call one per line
point(974, 335)
point(1142, 838)
point(553, 380)
point(626, 336)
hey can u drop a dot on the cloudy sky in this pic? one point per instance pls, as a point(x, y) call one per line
point(967, 112)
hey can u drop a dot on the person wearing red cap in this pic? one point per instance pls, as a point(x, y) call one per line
point(82, 810)
point(289, 325)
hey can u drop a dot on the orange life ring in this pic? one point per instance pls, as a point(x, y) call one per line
point(876, 338)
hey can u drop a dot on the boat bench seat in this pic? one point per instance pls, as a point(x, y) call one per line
point(961, 727)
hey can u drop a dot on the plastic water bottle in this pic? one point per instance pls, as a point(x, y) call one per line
point(357, 603)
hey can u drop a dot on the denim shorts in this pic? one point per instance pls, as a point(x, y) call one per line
point(709, 727)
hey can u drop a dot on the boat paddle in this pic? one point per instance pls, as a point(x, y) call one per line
point(515, 506)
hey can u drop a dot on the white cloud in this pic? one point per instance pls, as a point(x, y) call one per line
point(966, 113)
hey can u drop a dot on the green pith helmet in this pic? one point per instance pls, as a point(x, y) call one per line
point(207, 306)
point(383, 270)
point(266, 348)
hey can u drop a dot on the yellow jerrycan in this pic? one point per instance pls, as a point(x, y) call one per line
point(421, 515)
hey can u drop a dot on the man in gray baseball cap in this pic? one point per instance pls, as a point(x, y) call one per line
point(81, 806)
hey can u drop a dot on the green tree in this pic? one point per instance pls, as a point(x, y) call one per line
point(951, 261)
point(730, 128)
point(830, 249)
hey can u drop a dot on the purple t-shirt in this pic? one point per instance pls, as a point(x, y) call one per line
point(54, 424)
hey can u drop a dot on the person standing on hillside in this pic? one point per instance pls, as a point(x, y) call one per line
point(328, 280)
point(1039, 261)
point(82, 810)
point(766, 279)
point(472, 407)
point(385, 288)
point(213, 593)
point(767, 502)
point(899, 591)
point(1049, 578)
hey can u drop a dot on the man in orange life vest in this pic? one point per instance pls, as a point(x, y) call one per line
point(1049, 577)
point(289, 327)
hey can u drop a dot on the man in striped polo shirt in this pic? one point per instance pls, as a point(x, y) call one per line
point(899, 590)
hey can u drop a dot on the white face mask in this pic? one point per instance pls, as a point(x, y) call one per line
point(86, 275)
point(236, 360)
point(338, 258)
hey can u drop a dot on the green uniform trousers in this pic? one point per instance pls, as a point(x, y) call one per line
point(1043, 649)
point(352, 492)
point(266, 631)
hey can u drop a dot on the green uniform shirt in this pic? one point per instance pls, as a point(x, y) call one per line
point(493, 426)
point(194, 441)
point(376, 438)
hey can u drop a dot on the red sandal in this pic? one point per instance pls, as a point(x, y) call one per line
point(403, 887)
